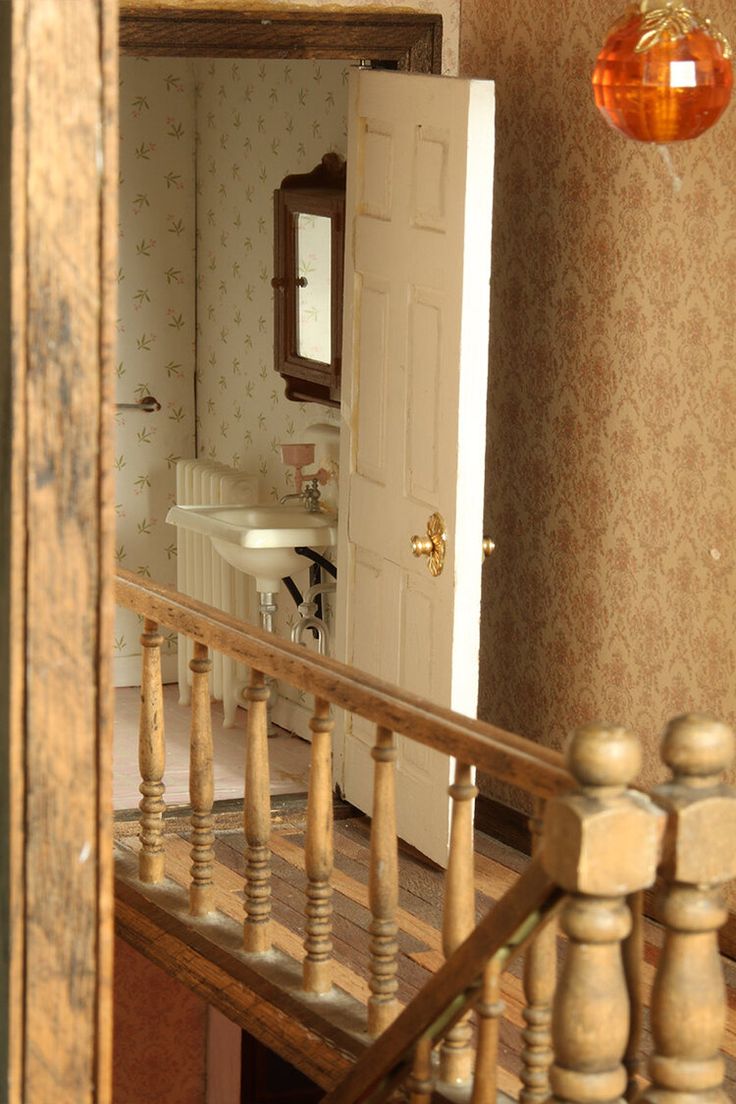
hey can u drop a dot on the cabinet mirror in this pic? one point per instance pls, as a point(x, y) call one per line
point(309, 211)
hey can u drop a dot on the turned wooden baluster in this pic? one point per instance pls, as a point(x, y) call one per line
point(201, 786)
point(688, 1006)
point(383, 887)
point(540, 972)
point(151, 757)
point(600, 844)
point(420, 1083)
point(257, 819)
point(489, 1012)
point(318, 854)
point(633, 959)
point(458, 919)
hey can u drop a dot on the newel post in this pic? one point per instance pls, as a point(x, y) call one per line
point(601, 843)
point(688, 1007)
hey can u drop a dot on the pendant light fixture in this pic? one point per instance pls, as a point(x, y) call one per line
point(664, 73)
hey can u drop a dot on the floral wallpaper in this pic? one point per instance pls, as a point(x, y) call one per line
point(258, 121)
point(159, 209)
point(611, 464)
point(203, 144)
point(156, 324)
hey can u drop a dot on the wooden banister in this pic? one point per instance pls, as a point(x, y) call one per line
point(489, 1011)
point(420, 1082)
point(540, 973)
point(201, 786)
point(632, 953)
point(688, 1009)
point(600, 845)
point(453, 991)
point(383, 887)
point(508, 757)
point(151, 757)
point(458, 913)
point(318, 855)
point(257, 819)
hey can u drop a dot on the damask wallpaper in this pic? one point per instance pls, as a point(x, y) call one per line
point(611, 463)
point(156, 324)
point(159, 1034)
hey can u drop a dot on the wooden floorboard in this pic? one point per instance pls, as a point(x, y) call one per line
point(328, 1033)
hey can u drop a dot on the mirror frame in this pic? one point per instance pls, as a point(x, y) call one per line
point(320, 192)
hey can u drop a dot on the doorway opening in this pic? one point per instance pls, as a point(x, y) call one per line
point(190, 270)
point(206, 263)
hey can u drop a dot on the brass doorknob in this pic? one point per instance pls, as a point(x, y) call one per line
point(432, 546)
point(488, 546)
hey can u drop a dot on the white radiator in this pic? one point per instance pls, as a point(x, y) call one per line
point(204, 575)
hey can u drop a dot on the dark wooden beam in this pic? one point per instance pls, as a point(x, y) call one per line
point(412, 41)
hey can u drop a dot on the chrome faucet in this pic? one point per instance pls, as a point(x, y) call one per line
point(309, 495)
point(312, 495)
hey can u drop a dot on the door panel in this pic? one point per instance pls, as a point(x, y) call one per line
point(418, 218)
point(424, 396)
point(371, 457)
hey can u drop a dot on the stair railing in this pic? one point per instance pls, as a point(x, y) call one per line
point(500, 754)
point(597, 849)
point(602, 846)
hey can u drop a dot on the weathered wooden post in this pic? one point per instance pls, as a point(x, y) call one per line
point(688, 1007)
point(601, 843)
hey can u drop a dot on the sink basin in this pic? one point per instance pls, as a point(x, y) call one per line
point(259, 540)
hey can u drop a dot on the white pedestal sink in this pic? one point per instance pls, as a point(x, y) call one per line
point(259, 540)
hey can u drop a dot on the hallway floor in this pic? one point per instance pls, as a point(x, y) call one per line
point(289, 756)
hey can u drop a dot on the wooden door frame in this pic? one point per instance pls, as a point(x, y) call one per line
point(58, 233)
point(410, 41)
point(58, 250)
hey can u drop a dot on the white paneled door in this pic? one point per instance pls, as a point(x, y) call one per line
point(415, 363)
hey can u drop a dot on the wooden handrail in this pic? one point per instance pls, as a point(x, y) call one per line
point(598, 844)
point(504, 755)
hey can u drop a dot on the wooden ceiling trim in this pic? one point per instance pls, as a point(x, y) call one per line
point(412, 40)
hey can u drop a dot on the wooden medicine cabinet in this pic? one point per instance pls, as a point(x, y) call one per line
point(309, 242)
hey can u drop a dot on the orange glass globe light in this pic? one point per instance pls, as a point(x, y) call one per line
point(657, 85)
